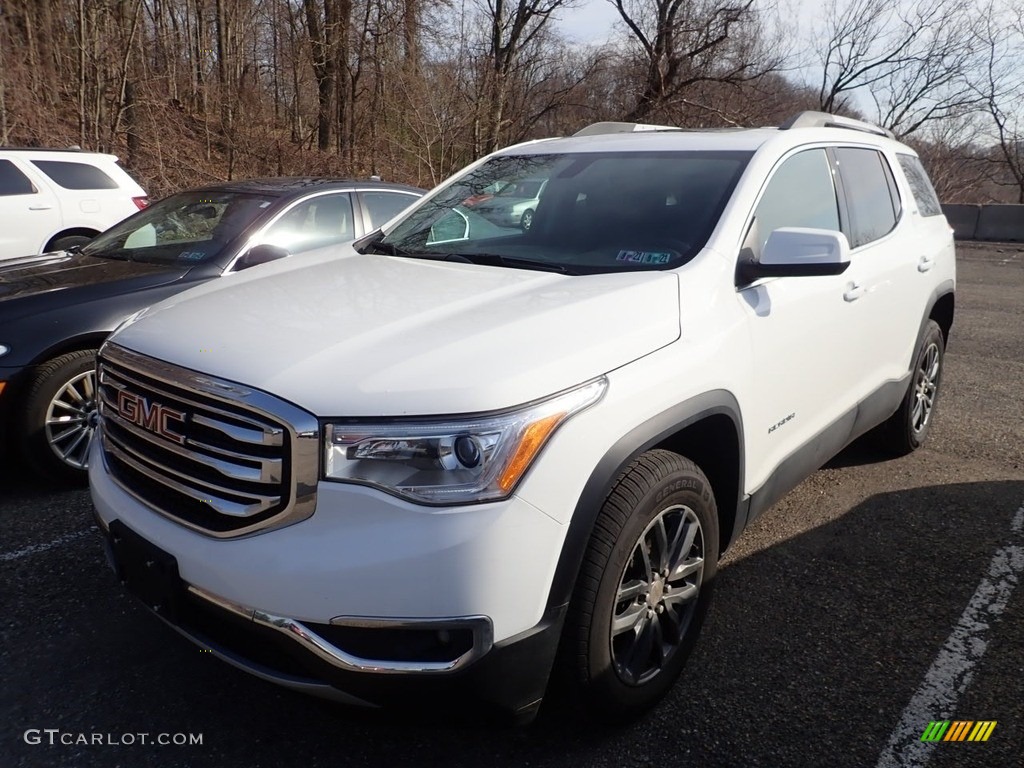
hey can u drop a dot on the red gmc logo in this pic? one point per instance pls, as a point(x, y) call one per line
point(153, 417)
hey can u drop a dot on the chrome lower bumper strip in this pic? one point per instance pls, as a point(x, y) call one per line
point(310, 641)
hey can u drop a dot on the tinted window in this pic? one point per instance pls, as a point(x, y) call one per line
point(800, 194)
point(13, 181)
point(382, 206)
point(597, 211)
point(920, 186)
point(318, 221)
point(869, 193)
point(75, 175)
point(189, 227)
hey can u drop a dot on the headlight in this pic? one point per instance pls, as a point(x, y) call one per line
point(451, 461)
point(4, 349)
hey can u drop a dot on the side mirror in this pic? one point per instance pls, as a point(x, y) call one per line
point(260, 254)
point(798, 252)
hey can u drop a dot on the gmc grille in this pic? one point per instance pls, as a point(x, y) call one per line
point(216, 456)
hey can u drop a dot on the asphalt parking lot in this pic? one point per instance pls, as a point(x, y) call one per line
point(876, 597)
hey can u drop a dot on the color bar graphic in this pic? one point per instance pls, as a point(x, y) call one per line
point(958, 730)
point(935, 731)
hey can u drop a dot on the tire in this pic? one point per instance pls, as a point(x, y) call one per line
point(526, 221)
point(630, 628)
point(60, 417)
point(906, 430)
point(63, 243)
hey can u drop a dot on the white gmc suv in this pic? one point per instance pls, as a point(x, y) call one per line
point(466, 455)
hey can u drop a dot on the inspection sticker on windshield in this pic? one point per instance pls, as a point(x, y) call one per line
point(192, 255)
point(644, 257)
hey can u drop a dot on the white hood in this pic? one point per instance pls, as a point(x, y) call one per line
point(384, 336)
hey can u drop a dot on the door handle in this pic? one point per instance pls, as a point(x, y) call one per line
point(40, 207)
point(853, 292)
point(925, 263)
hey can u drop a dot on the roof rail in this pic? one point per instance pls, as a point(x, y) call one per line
point(812, 119)
point(74, 148)
point(598, 129)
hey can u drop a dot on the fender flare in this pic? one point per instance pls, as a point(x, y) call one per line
point(615, 460)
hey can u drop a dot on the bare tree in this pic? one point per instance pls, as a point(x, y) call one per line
point(685, 42)
point(1000, 85)
point(912, 56)
point(512, 26)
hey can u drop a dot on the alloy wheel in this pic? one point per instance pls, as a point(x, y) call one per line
point(657, 594)
point(925, 386)
point(71, 419)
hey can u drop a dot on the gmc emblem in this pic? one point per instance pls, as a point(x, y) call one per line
point(152, 417)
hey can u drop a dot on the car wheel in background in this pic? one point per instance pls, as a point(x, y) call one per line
point(63, 243)
point(527, 220)
point(60, 417)
point(644, 587)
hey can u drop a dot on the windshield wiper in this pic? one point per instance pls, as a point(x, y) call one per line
point(378, 246)
point(485, 259)
point(120, 254)
point(496, 260)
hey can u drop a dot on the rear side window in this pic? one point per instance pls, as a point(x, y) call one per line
point(870, 193)
point(13, 181)
point(318, 221)
point(75, 175)
point(800, 194)
point(920, 186)
point(382, 206)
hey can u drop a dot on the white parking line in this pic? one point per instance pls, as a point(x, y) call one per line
point(953, 668)
point(33, 549)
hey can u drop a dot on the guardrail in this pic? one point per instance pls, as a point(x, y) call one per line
point(999, 223)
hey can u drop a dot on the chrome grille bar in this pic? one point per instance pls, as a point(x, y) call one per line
point(232, 460)
point(269, 470)
point(258, 434)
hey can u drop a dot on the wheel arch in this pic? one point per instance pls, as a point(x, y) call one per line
point(91, 340)
point(70, 232)
point(708, 430)
point(942, 312)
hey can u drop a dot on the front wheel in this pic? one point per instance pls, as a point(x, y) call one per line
point(60, 417)
point(526, 221)
point(644, 586)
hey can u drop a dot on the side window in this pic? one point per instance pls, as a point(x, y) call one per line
point(75, 175)
point(870, 193)
point(920, 186)
point(799, 194)
point(13, 181)
point(382, 206)
point(315, 222)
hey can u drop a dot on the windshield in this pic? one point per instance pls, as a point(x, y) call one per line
point(578, 213)
point(186, 228)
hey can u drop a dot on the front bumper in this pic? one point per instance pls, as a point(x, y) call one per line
point(487, 681)
point(328, 605)
point(12, 380)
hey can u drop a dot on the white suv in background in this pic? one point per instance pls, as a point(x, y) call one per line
point(450, 465)
point(53, 199)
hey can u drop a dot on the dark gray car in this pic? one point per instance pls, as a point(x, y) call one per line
point(56, 309)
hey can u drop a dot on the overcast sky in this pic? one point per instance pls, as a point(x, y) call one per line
point(590, 22)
